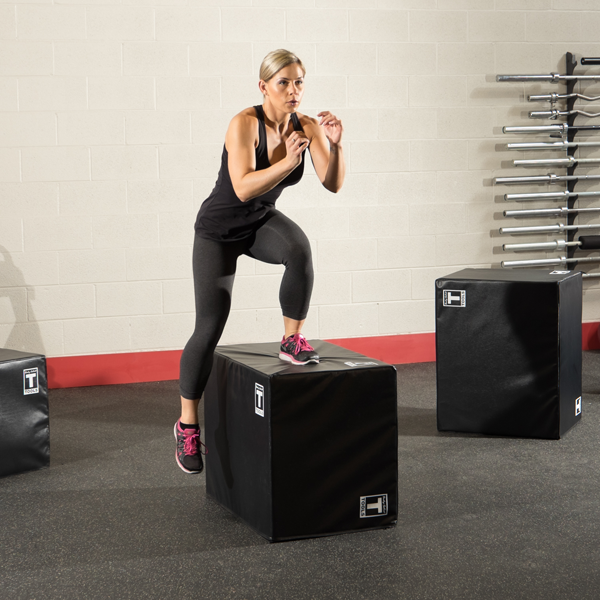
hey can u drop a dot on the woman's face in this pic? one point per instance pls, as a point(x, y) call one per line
point(285, 89)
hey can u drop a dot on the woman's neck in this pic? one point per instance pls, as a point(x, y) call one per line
point(278, 120)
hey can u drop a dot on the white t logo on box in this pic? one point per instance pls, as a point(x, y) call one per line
point(31, 381)
point(259, 399)
point(455, 298)
point(373, 506)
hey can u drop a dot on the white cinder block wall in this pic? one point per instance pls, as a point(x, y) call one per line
point(112, 120)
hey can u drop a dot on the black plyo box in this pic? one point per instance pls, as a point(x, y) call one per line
point(24, 423)
point(302, 451)
point(508, 345)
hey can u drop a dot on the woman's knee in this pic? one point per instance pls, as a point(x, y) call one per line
point(298, 251)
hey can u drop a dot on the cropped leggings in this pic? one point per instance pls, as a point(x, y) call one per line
point(277, 241)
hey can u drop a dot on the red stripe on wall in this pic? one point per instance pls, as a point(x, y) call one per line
point(107, 369)
point(589, 336)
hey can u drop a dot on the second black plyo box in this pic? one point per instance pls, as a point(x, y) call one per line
point(508, 346)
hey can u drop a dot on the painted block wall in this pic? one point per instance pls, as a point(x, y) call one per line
point(112, 120)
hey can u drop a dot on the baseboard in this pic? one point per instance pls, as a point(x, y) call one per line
point(109, 369)
point(137, 367)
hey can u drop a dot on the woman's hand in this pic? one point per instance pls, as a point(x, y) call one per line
point(296, 143)
point(332, 126)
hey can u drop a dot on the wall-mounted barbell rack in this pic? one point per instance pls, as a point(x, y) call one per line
point(567, 143)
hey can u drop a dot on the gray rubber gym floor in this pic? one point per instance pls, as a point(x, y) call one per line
point(480, 517)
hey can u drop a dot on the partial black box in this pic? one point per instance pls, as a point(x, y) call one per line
point(302, 451)
point(24, 423)
point(508, 346)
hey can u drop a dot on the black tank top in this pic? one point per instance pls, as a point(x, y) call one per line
point(223, 216)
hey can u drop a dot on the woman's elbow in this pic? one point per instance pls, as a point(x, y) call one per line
point(333, 187)
point(241, 194)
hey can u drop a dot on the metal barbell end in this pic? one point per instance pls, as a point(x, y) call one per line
point(561, 145)
point(549, 212)
point(554, 97)
point(539, 196)
point(551, 77)
point(554, 113)
point(556, 228)
point(554, 245)
point(538, 262)
point(555, 162)
point(561, 129)
point(551, 178)
point(549, 196)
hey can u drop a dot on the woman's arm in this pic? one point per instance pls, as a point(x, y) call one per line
point(326, 150)
point(240, 140)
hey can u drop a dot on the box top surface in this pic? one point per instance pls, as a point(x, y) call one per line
point(529, 275)
point(265, 358)
point(7, 354)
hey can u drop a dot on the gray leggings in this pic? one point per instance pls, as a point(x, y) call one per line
point(278, 240)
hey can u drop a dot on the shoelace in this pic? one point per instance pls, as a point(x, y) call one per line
point(302, 343)
point(297, 343)
point(191, 443)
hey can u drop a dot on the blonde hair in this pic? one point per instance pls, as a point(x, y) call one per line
point(277, 60)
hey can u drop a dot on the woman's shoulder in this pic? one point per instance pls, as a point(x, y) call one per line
point(309, 125)
point(242, 128)
point(307, 121)
point(245, 117)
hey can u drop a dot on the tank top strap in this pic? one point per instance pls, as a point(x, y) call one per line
point(296, 122)
point(262, 132)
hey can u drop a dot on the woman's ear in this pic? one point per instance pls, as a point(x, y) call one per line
point(262, 86)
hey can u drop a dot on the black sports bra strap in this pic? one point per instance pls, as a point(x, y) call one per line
point(262, 133)
point(296, 122)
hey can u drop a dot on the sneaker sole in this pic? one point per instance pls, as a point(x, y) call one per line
point(177, 458)
point(290, 358)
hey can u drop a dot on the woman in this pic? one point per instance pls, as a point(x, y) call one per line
point(263, 154)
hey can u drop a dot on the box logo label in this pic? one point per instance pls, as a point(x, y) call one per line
point(578, 406)
point(455, 298)
point(373, 506)
point(360, 364)
point(259, 399)
point(31, 381)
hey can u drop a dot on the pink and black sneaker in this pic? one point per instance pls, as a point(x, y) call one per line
point(297, 350)
point(189, 449)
